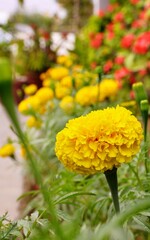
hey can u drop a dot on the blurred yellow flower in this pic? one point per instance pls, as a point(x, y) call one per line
point(31, 103)
point(99, 141)
point(42, 76)
point(7, 150)
point(58, 73)
point(30, 89)
point(44, 94)
point(87, 95)
point(108, 88)
point(46, 82)
point(64, 60)
point(67, 82)
point(61, 91)
point(33, 122)
point(91, 94)
point(67, 104)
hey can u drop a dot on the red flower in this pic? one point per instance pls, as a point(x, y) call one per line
point(110, 35)
point(134, 1)
point(137, 23)
point(119, 60)
point(132, 79)
point(142, 72)
point(121, 73)
point(142, 43)
point(101, 13)
point(111, 7)
point(46, 35)
point(132, 94)
point(108, 66)
point(110, 27)
point(93, 65)
point(97, 40)
point(127, 41)
point(119, 17)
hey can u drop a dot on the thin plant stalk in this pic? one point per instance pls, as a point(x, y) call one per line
point(9, 105)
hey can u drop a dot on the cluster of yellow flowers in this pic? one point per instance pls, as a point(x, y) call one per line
point(70, 85)
point(37, 101)
point(91, 94)
point(99, 141)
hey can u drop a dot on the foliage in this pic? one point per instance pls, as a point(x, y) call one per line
point(61, 205)
point(79, 11)
point(118, 39)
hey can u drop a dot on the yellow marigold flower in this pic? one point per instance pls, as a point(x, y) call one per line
point(7, 150)
point(44, 94)
point(67, 104)
point(99, 141)
point(64, 60)
point(67, 82)
point(47, 82)
point(61, 91)
point(31, 103)
point(58, 73)
point(30, 90)
point(108, 88)
point(87, 95)
point(33, 122)
point(42, 76)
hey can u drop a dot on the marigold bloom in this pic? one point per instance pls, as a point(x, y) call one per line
point(47, 82)
point(91, 94)
point(33, 122)
point(7, 150)
point(31, 103)
point(58, 73)
point(108, 88)
point(87, 95)
point(64, 60)
point(99, 141)
point(30, 89)
point(67, 82)
point(61, 91)
point(44, 94)
point(67, 104)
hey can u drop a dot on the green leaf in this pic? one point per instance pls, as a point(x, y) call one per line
point(28, 194)
point(70, 195)
point(134, 63)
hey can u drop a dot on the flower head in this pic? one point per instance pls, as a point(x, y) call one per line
point(67, 104)
point(44, 94)
point(30, 89)
point(7, 150)
point(99, 141)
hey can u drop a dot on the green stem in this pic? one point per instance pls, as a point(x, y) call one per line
point(145, 123)
point(8, 102)
point(111, 177)
point(144, 106)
